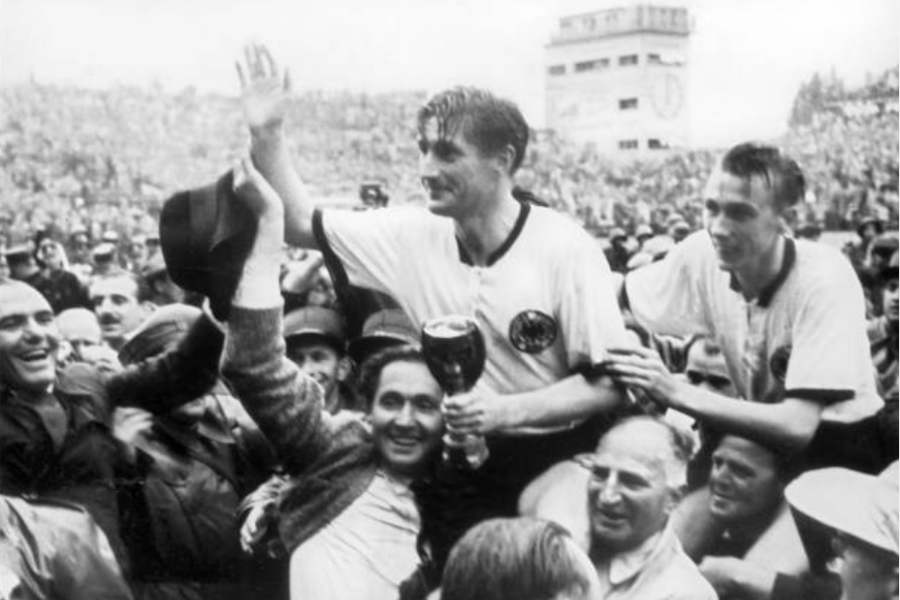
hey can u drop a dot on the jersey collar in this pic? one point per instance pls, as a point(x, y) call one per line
point(787, 262)
point(524, 210)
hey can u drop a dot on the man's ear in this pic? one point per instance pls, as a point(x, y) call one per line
point(506, 158)
point(676, 494)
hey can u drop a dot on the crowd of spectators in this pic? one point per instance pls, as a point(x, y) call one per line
point(286, 442)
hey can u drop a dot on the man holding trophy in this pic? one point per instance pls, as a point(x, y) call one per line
point(534, 284)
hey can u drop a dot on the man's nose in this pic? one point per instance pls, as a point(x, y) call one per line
point(610, 493)
point(405, 416)
point(427, 166)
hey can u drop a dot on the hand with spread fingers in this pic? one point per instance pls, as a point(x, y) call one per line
point(265, 90)
point(479, 411)
point(642, 368)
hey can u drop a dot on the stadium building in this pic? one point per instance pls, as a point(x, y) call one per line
point(617, 78)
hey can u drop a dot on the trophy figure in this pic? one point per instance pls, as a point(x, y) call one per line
point(454, 352)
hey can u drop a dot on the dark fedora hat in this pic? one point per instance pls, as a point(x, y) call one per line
point(205, 235)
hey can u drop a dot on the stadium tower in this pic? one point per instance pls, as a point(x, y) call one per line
point(618, 78)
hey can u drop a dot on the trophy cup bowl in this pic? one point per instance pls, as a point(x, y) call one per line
point(454, 352)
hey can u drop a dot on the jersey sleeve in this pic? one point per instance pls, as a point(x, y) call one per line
point(665, 296)
point(365, 248)
point(590, 318)
point(829, 358)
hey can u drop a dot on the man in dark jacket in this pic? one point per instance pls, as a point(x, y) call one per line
point(55, 439)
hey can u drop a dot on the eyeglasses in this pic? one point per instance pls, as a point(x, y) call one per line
point(716, 381)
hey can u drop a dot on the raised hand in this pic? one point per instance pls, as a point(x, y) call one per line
point(265, 91)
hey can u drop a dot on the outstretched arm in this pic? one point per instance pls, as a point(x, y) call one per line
point(265, 96)
point(789, 424)
point(285, 404)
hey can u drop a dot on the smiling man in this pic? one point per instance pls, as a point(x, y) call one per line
point(348, 506)
point(637, 476)
point(55, 439)
point(788, 314)
point(536, 283)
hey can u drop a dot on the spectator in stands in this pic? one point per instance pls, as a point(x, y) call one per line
point(348, 507)
point(755, 540)
point(862, 512)
point(160, 288)
point(518, 558)
point(106, 263)
point(618, 253)
point(384, 329)
point(883, 334)
point(119, 311)
point(79, 328)
point(544, 343)
point(61, 287)
point(23, 266)
point(316, 343)
point(787, 315)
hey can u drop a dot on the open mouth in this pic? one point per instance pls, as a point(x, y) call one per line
point(34, 356)
point(407, 442)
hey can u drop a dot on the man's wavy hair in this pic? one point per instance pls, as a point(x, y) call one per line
point(487, 122)
point(523, 558)
point(370, 371)
point(781, 173)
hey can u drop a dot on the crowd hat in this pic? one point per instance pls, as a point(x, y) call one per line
point(617, 233)
point(643, 231)
point(159, 332)
point(205, 235)
point(315, 321)
point(103, 251)
point(388, 327)
point(18, 253)
point(862, 506)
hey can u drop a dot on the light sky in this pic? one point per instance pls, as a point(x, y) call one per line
point(748, 57)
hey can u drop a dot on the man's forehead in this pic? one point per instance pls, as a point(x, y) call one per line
point(643, 452)
point(723, 186)
point(440, 128)
point(21, 298)
point(114, 285)
point(745, 450)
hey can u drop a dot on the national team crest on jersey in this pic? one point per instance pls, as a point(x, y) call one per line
point(532, 331)
point(778, 362)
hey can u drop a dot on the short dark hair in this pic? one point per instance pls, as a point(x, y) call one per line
point(523, 558)
point(780, 172)
point(370, 371)
point(487, 122)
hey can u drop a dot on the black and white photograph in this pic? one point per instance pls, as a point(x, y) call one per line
point(449, 300)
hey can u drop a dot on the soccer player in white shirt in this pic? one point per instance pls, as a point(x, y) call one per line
point(788, 314)
point(536, 283)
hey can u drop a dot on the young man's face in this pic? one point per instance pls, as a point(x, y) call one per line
point(629, 498)
point(744, 482)
point(28, 339)
point(80, 330)
point(708, 370)
point(317, 359)
point(866, 573)
point(117, 307)
point(406, 416)
point(741, 220)
point(459, 179)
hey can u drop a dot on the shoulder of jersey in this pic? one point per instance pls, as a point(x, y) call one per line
point(560, 227)
point(823, 264)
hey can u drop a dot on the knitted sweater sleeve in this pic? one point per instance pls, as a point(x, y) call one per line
point(287, 405)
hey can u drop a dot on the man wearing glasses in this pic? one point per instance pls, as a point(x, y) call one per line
point(788, 315)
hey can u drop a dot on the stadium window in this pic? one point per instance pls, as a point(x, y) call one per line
point(628, 60)
point(655, 144)
point(654, 59)
point(628, 103)
point(628, 144)
point(591, 65)
point(557, 70)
